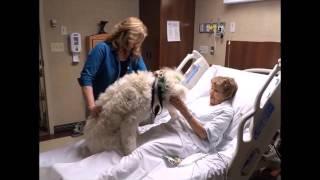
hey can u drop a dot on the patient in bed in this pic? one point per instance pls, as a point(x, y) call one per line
point(222, 89)
point(199, 129)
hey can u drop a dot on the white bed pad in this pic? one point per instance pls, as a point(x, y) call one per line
point(67, 164)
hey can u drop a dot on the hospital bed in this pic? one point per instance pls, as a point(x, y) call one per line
point(256, 121)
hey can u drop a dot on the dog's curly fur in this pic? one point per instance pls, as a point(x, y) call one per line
point(125, 105)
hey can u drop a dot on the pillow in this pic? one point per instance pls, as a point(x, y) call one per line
point(202, 87)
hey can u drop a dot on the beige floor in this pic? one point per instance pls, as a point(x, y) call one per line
point(56, 143)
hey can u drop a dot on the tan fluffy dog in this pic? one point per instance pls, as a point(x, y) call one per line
point(127, 104)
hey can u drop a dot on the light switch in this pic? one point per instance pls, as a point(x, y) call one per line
point(64, 30)
point(232, 27)
point(57, 47)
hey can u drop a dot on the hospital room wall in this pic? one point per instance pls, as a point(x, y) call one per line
point(65, 100)
point(255, 21)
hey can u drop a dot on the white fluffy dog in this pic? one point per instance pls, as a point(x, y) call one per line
point(127, 104)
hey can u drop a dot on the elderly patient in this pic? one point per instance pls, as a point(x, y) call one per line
point(200, 129)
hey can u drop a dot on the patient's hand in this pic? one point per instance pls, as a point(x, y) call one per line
point(195, 125)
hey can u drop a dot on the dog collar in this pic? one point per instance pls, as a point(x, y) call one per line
point(158, 90)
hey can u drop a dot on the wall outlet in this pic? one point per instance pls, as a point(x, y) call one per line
point(212, 50)
point(57, 47)
point(204, 49)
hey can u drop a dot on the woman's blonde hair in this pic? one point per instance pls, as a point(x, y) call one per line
point(225, 85)
point(129, 31)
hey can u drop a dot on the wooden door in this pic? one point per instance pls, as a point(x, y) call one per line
point(157, 51)
point(43, 116)
point(150, 15)
point(172, 53)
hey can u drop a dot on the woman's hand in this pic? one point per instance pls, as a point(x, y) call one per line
point(95, 110)
point(88, 94)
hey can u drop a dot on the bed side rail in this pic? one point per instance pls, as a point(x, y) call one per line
point(259, 70)
point(196, 70)
point(194, 55)
point(266, 122)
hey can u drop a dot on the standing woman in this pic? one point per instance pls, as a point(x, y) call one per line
point(110, 60)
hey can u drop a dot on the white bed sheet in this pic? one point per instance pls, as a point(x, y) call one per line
point(68, 164)
point(75, 167)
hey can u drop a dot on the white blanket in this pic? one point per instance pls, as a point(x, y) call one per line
point(144, 163)
point(98, 166)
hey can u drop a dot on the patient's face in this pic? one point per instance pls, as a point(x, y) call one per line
point(216, 96)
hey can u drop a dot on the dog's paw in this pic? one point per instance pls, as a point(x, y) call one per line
point(84, 151)
point(127, 150)
point(129, 144)
point(173, 113)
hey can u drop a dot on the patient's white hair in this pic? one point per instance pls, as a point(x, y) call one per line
point(226, 85)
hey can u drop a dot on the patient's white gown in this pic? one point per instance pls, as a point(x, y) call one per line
point(171, 138)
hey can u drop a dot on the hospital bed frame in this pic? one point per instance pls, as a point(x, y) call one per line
point(264, 117)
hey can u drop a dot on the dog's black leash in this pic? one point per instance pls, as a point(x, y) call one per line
point(155, 109)
point(158, 88)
